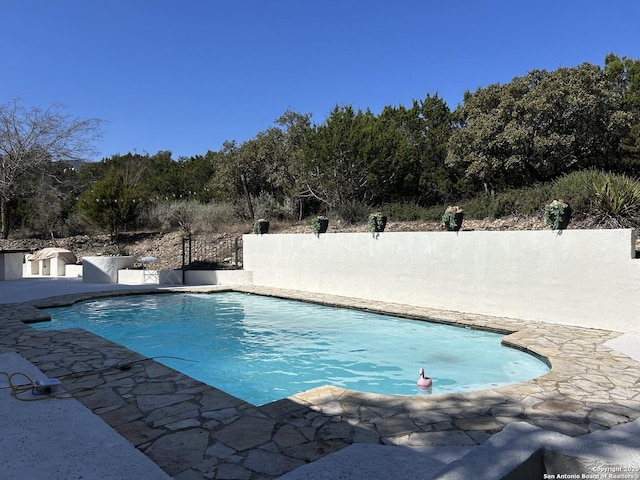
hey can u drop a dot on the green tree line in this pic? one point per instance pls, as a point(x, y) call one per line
point(521, 134)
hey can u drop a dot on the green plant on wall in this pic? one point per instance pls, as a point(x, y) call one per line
point(452, 217)
point(557, 214)
point(261, 226)
point(315, 225)
point(377, 222)
point(319, 224)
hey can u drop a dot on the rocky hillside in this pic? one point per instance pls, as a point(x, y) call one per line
point(167, 246)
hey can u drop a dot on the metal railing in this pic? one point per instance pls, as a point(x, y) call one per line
point(200, 253)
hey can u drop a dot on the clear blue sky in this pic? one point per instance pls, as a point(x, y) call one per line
point(186, 75)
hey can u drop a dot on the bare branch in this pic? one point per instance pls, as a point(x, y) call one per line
point(31, 139)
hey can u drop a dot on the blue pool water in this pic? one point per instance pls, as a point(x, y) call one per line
point(261, 349)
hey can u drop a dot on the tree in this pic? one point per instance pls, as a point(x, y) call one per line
point(193, 175)
point(338, 156)
point(539, 126)
point(52, 208)
point(270, 162)
point(111, 203)
point(236, 172)
point(288, 168)
point(32, 139)
point(411, 152)
point(624, 75)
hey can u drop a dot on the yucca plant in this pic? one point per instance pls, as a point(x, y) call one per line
point(617, 201)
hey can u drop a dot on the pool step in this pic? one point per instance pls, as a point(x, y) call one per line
point(524, 452)
point(364, 461)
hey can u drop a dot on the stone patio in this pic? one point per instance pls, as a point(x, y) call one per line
point(194, 431)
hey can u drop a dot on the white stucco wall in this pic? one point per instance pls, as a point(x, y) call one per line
point(218, 277)
point(11, 264)
point(578, 277)
point(150, 277)
point(104, 269)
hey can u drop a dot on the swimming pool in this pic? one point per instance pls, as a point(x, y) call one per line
point(261, 349)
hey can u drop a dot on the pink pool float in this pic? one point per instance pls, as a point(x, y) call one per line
point(424, 382)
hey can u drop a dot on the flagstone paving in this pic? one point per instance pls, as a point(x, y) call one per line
point(194, 431)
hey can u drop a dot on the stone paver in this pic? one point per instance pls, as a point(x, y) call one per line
point(194, 431)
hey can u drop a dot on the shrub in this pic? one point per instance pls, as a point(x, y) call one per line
point(353, 211)
point(576, 189)
point(193, 217)
point(408, 212)
point(215, 217)
point(266, 205)
point(616, 201)
point(74, 224)
point(478, 207)
point(524, 201)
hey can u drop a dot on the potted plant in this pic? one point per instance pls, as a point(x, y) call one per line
point(320, 224)
point(377, 222)
point(452, 218)
point(557, 214)
point(261, 226)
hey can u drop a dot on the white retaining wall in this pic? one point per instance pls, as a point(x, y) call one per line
point(588, 278)
point(11, 264)
point(104, 269)
point(218, 277)
point(149, 277)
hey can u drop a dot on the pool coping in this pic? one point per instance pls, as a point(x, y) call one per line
point(590, 387)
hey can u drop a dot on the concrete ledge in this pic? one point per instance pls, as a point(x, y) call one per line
point(363, 461)
point(524, 452)
point(61, 438)
point(519, 452)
